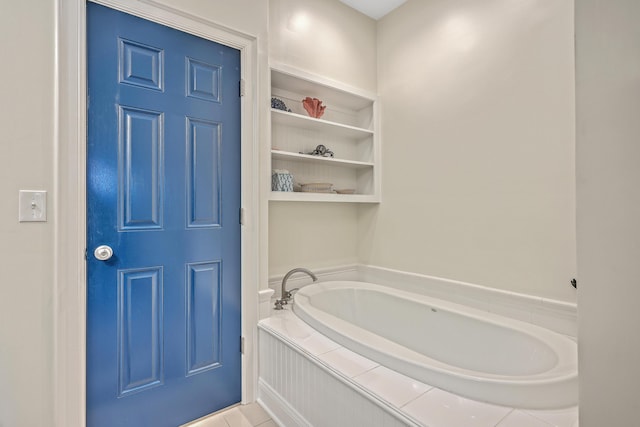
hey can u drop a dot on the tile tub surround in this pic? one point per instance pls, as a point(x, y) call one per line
point(401, 397)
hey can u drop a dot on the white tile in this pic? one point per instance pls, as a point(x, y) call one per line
point(391, 386)
point(347, 362)
point(269, 423)
point(317, 344)
point(235, 418)
point(213, 421)
point(254, 413)
point(522, 419)
point(557, 417)
point(288, 324)
point(438, 408)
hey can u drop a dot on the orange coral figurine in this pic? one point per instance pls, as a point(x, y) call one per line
point(314, 107)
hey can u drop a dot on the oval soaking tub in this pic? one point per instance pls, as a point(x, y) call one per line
point(460, 349)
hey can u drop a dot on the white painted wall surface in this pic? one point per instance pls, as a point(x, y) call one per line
point(246, 16)
point(477, 106)
point(26, 151)
point(326, 38)
point(608, 155)
point(314, 235)
point(330, 39)
point(27, 161)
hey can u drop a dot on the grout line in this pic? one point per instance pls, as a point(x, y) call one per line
point(261, 422)
point(218, 414)
point(551, 424)
point(365, 371)
point(505, 416)
point(418, 397)
point(368, 370)
point(239, 412)
point(309, 337)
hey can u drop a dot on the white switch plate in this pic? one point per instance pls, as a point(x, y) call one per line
point(32, 206)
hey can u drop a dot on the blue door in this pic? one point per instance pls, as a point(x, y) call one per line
point(163, 196)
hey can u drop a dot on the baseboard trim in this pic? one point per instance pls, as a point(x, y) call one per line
point(278, 408)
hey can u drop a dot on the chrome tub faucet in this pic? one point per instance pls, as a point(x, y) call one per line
point(285, 296)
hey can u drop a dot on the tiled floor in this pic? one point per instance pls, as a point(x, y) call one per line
point(439, 409)
point(428, 405)
point(251, 415)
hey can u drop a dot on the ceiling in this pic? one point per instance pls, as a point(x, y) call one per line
point(376, 9)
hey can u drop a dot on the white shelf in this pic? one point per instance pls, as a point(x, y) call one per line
point(287, 155)
point(330, 91)
point(319, 125)
point(287, 196)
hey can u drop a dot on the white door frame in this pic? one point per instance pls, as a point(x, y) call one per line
point(69, 201)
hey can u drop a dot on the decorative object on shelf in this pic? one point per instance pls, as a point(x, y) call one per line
point(320, 150)
point(314, 107)
point(346, 191)
point(316, 187)
point(281, 180)
point(278, 104)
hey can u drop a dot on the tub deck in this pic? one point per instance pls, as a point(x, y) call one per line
point(403, 400)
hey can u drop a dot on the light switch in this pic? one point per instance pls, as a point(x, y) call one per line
point(32, 206)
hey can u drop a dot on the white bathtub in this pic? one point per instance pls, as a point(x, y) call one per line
point(459, 349)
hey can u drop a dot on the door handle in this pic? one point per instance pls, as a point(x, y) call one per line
point(103, 252)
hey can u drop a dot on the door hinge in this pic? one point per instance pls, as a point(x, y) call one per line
point(241, 216)
point(241, 345)
point(86, 256)
point(242, 89)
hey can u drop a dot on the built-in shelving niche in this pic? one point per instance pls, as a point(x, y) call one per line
point(348, 128)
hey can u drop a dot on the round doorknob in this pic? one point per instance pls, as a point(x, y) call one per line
point(103, 252)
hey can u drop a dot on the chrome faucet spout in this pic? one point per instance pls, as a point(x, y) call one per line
point(285, 296)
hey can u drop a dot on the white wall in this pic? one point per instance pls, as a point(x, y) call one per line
point(313, 235)
point(27, 161)
point(26, 150)
point(247, 16)
point(478, 144)
point(326, 38)
point(339, 43)
point(608, 155)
